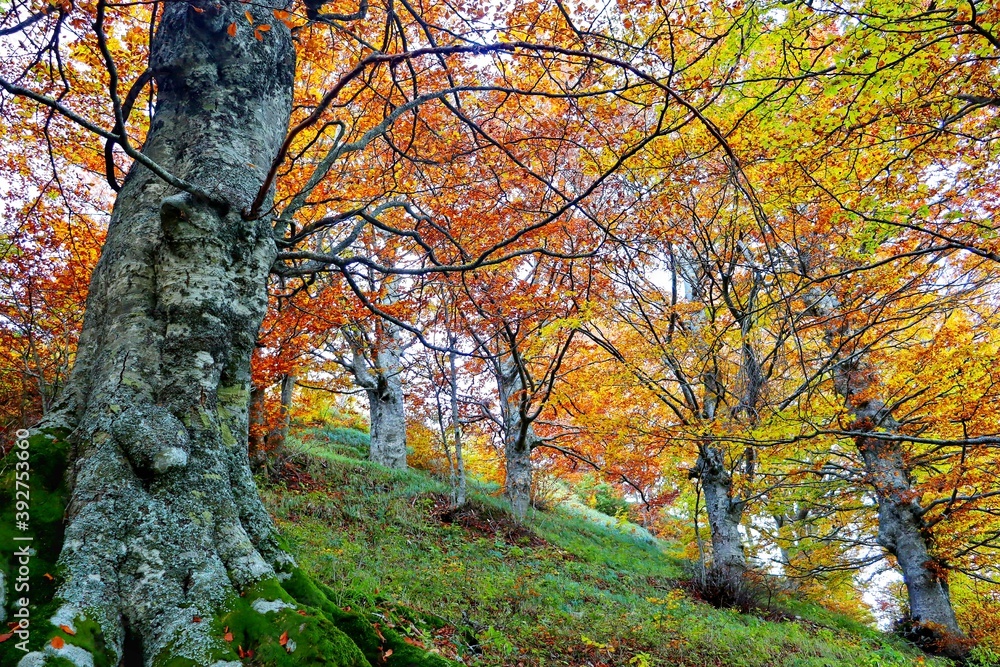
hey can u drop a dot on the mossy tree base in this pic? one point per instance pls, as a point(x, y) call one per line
point(282, 620)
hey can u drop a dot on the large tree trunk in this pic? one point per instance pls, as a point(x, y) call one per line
point(724, 512)
point(388, 409)
point(901, 528)
point(166, 540)
point(165, 521)
point(519, 438)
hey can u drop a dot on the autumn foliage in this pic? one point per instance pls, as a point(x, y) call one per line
point(716, 229)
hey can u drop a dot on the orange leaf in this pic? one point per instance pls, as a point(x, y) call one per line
point(68, 630)
point(413, 642)
point(284, 17)
point(301, 612)
point(231, 30)
point(249, 16)
point(284, 638)
point(48, 576)
point(258, 35)
point(385, 656)
point(5, 637)
point(198, 9)
point(240, 652)
point(263, 27)
point(228, 636)
point(57, 642)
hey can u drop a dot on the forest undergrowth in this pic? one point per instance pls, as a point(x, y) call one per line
point(558, 589)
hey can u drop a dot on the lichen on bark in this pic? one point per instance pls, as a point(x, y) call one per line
point(155, 538)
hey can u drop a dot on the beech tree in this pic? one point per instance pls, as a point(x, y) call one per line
point(290, 141)
point(375, 363)
point(165, 541)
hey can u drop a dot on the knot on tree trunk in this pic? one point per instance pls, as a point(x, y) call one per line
point(154, 440)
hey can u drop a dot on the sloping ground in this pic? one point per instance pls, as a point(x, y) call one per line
point(560, 590)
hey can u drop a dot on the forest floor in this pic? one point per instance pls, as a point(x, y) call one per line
point(559, 589)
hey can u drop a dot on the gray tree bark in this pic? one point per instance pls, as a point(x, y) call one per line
point(724, 511)
point(276, 438)
point(382, 380)
point(165, 522)
point(458, 483)
point(901, 529)
point(165, 534)
point(519, 437)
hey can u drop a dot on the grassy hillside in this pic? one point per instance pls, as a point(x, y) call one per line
point(560, 590)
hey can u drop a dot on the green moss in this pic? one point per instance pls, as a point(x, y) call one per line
point(375, 642)
point(315, 640)
point(58, 662)
point(47, 496)
point(307, 629)
point(316, 631)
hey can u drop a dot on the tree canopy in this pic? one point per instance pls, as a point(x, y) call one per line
point(736, 263)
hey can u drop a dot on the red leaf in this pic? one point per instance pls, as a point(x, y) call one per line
point(284, 638)
point(196, 619)
point(301, 612)
point(5, 637)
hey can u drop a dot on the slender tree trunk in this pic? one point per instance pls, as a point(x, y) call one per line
point(257, 437)
point(724, 512)
point(276, 438)
point(518, 439)
point(456, 425)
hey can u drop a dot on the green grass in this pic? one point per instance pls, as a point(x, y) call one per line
point(582, 594)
